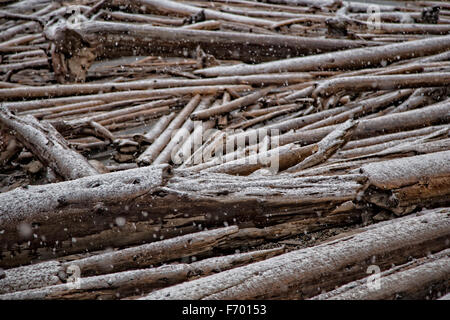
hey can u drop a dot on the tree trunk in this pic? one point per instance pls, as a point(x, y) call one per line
point(302, 273)
point(47, 145)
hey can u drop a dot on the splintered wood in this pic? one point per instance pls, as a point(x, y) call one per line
point(243, 149)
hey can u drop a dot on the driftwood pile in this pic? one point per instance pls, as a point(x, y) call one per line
point(189, 149)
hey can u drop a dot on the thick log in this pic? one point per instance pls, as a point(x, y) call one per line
point(30, 277)
point(401, 185)
point(117, 96)
point(54, 272)
point(413, 280)
point(62, 210)
point(127, 283)
point(151, 211)
point(346, 59)
point(136, 233)
point(401, 172)
point(108, 39)
point(157, 129)
point(300, 273)
point(47, 145)
point(360, 108)
point(153, 253)
point(168, 153)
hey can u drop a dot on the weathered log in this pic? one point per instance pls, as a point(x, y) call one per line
point(30, 277)
point(207, 200)
point(123, 284)
point(413, 280)
point(230, 106)
point(346, 59)
point(107, 39)
point(59, 211)
point(412, 134)
point(276, 159)
point(177, 139)
point(47, 145)
point(385, 82)
point(360, 108)
point(117, 96)
point(438, 113)
point(153, 151)
point(136, 233)
point(418, 145)
point(401, 185)
point(302, 273)
point(92, 88)
point(327, 146)
point(153, 253)
point(401, 172)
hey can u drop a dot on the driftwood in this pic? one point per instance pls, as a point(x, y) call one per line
point(334, 141)
point(128, 39)
point(327, 146)
point(181, 135)
point(411, 182)
point(41, 206)
point(30, 277)
point(55, 272)
point(433, 114)
point(47, 145)
point(241, 199)
point(153, 253)
point(346, 59)
point(365, 83)
point(123, 284)
point(117, 96)
point(361, 108)
point(157, 129)
point(296, 274)
point(409, 281)
point(152, 152)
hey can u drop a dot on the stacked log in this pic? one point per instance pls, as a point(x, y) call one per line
point(187, 149)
